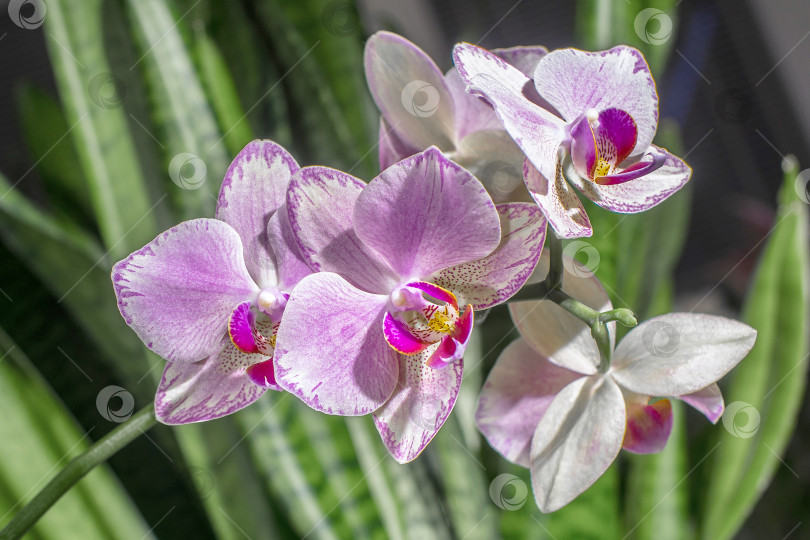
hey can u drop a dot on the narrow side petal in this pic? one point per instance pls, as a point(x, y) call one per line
point(577, 439)
point(319, 206)
point(178, 291)
point(255, 185)
point(495, 278)
point(426, 213)
point(410, 91)
point(515, 396)
point(648, 426)
point(641, 193)
point(558, 201)
point(680, 353)
point(574, 81)
point(330, 348)
point(708, 401)
point(524, 58)
point(419, 406)
point(291, 267)
point(211, 388)
point(391, 147)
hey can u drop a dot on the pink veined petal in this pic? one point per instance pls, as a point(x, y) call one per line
point(553, 332)
point(574, 81)
point(451, 348)
point(680, 353)
point(645, 191)
point(212, 388)
point(577, 439)
point(648, 426)
point(263, 374)
point(495, 278)
point(419, 406)
point(330, 350)
point(410, 91)
point(399, 336)
point(291, 266)
point(426, 213)
point(516, 394)
point(472, 114)
point(391, 147)
point(178, 291)
point(708, 401)
point(558, 201)
point(524, 58)
point(472, 61)
point(255, 185)
point(319, 205)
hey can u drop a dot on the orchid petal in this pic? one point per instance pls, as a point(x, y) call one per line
point(644, 192)
point(648, 426)
point(472, 114)
point(319, 205)
point(291, 266)
point(391, 147)
point(558, 201)
point(211, 388)
point(577, 439)
point(493, 279)
point(426, 213)
point(524, 58)
point(419, 406)
point(178, 291)
point(240, 328)
point(552, 331)
point(574, 81)
point(255, 185)
point(515, 396)
point(472, 61)
point(708, 401)
point(680, 353)
point(410, 91)
point(330, 348)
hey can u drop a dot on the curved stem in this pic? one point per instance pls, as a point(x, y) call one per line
point(74, 471)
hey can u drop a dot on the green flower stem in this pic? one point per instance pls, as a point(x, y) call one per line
point(74, 471)
point(555, 269)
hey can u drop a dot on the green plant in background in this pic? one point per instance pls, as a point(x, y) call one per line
point(155, 98)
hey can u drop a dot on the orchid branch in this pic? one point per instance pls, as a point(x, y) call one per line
point(74, 471)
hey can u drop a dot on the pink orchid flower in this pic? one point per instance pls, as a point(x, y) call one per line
point(598, 108)
point(546, 406)
point(402, 265)
point(208, 294)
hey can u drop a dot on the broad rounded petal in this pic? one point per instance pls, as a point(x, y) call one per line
point(574, 81)
point(330, 348)
point(522, 57)
point(472, 114)
point(680, 353)
point(291, 266)
point(641, 193)
point(515, 397)
point(426, 213)
point(472, 61)
point(558, 201)
point(495, 278)
point(708, 401)
point(319, 206)
point(391, 147)
point(178, 291)
point(255, 185)
point(410, 91)
point(211, 388)
point(555, 333)
point(494, 158)
point(648, 426)
point(577, 439)
point(419, 406)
